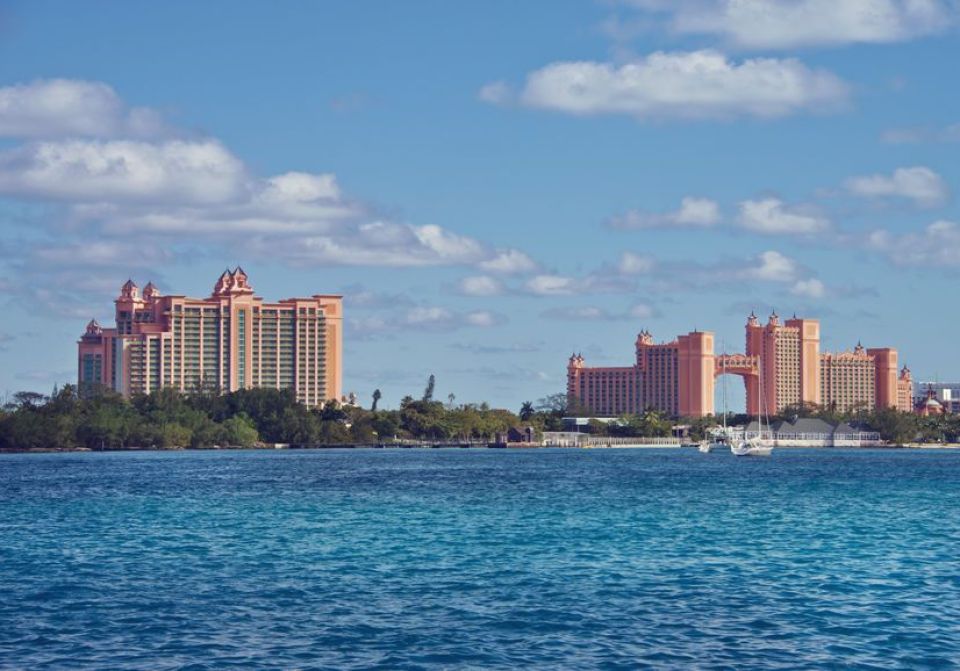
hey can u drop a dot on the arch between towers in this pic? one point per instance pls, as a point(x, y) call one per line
point(745, 367)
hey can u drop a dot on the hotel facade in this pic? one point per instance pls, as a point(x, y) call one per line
point(229, 341)
point(782, 366)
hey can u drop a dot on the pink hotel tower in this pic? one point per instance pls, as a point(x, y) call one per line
point(229, 341)
point(679, 377)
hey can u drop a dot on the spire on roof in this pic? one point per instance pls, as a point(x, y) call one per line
point(129, 289)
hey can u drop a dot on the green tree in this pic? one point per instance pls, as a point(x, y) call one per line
point(428, 392)
point(173, 435)
point(527, 411)
point(376, 399)
point(239, 431)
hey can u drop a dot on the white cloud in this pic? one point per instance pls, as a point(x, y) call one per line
point(936, 245)
point(770, 266)
point(483, 319)
point(787, 24)
point(809, 288)
point(693, 213)
point(497, 93)
point(447, 245)
point(771, 216)
point(422, 318)
point(87, 171)
point(684, 85)
point(920, 184)
point(71, 108)
point(635, 264)
point(114, 181)
point(552, 285)
point(509, 262)
point(481, 285)
point(299, 187)
point(368, 244)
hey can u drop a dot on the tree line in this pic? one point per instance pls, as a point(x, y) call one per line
point(245, 418)
point(250, 417)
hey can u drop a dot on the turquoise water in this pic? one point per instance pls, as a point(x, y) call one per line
point(420, 559)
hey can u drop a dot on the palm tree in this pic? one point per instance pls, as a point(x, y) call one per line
point(526, 411)
point(376, 399)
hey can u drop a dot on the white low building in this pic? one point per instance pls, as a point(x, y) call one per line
point(811, 432)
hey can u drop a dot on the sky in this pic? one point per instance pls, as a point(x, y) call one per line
point(492, 185)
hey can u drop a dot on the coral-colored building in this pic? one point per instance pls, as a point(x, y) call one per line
point(231, 340)
point(676, 377)
point(679, 377)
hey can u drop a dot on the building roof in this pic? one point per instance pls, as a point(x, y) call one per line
point(806, 425)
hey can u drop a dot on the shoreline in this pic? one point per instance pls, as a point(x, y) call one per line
point(435, 446)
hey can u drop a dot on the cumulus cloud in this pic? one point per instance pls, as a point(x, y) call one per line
point(424, 318)
point(551, 285)
point(636, 264)
point(684, 85)
point(919, 184)
point(131, 186)
point(509, 262)
point(87, 171)
point(483, 319)
point(809, 288)
point(480, 285)
point(693, 213)
point(787, 24)
point(936, 245)
point(55, 108)
point(772, 216)
point(770, 266)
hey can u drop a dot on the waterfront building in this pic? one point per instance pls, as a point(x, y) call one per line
point(671, 377)
point(813, 432)
point(929, 406)
point(946, 393)
point(904, 390)
point(229, 341)
point(678, 377)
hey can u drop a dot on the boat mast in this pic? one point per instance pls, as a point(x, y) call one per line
point(723, 373)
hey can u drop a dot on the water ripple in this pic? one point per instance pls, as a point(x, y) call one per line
point(479, 559)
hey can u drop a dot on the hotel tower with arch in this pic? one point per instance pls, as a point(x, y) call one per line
point(679, 377)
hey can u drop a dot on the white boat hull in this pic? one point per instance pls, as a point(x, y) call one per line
point(751, 450)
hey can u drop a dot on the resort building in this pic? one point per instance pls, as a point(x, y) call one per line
point(782, 367)
point(947, 394)
point(229, 341)
point(672, 377)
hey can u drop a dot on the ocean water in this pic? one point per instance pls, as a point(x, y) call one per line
point(431, 559)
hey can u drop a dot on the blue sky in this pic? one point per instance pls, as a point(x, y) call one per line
point(491, 184)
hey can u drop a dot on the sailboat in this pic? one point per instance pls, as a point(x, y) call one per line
point(756, 446)
point(722, 440)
